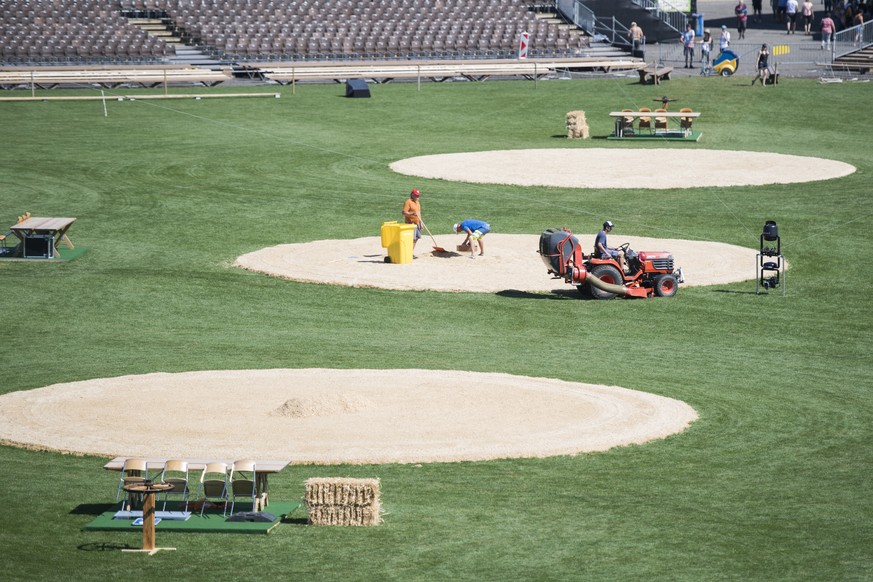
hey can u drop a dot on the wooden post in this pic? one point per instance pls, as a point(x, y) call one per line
point(148, 522)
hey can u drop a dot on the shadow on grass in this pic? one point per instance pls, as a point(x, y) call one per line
point(737, 292)
point(92, 508)
point(553, 295)
point(295, 520)
point(104, 547)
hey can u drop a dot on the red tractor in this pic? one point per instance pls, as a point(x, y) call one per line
point(649, 272)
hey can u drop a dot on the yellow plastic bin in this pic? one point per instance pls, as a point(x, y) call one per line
point(398, 239)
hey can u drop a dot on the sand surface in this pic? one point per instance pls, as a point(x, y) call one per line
point(511, 262)
point(336, 416)
point(650, 168)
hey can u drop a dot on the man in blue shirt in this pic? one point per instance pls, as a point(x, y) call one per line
point(475, 229)
point(601, 251)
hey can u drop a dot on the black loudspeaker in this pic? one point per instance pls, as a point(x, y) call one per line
point(38, 246)
point(252, 516)
point(357, 88)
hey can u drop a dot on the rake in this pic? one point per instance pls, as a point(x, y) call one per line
point(435, 247)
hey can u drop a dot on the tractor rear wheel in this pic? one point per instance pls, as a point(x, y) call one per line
point(607, 274)
point(666, 285)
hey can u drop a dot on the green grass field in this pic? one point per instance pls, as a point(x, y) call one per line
point(772, 483)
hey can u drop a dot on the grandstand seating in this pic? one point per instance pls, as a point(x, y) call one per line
point(99, 31)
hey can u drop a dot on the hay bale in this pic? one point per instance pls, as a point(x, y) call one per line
point(577, 125)
point(343, 501)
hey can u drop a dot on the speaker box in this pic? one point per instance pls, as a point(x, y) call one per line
point(252, 516)
point(357, 88)
point(38, 246)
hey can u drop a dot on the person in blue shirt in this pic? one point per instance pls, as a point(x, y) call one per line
point(602, 251)
point(476, 230)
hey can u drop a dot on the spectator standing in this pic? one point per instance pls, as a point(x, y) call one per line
point(791, 16)
point(742, 12)
point(688, 46)
point(808, 15)
point(724, 41)
point(705, 50)
point(756, 10)
point(858, 21)
point(780, 10)
point(827, 31)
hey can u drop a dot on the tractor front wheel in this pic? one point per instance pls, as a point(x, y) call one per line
point(607, 274)
point(666, 286)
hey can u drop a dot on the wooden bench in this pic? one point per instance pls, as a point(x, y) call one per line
point(48, 78)
point(384, 72)
point(654, 74)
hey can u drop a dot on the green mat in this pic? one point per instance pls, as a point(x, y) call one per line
point(671, 136)
point(211, 522)
point(66, 255)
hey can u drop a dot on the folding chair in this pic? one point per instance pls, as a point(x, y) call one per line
point(213, 484)
point(133, 471)
point(243, 482)
point(175, 473)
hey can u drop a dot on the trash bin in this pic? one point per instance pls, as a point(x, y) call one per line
point(697, 23)
point(398, 239)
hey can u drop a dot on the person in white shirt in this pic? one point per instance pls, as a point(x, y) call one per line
point(791, 16)
point(724, 41)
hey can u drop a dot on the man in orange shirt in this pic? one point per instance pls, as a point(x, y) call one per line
point(412, 214)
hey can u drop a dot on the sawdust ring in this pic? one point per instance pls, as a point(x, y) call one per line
point(364, 416)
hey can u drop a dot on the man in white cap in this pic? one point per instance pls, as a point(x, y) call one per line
point(476, 230)
point(724, 41)
point(602, 251)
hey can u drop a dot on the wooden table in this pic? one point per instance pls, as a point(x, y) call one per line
point(56, 228)
point(148, 490)
point(263, 470)
point(620, 115)
point(655, 73)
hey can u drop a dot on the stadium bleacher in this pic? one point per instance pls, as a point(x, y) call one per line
point(101, 31)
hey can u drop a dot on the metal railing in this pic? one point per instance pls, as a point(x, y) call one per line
point(666, 12)
point(852, 39)
point(604, 29)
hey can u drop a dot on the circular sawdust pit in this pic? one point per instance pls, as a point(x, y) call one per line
point(336, 416)
point(649, 168)
point(511, 263)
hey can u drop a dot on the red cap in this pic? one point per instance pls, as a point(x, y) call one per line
point(415, 192)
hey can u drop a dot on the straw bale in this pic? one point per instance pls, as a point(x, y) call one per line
point(343, 501)
point(344, 515)
point(342, 491)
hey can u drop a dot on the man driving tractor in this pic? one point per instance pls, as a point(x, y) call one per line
point(602, 251)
